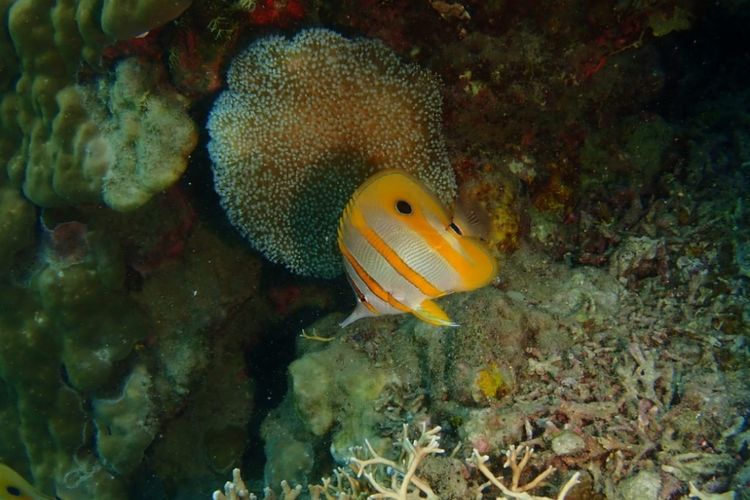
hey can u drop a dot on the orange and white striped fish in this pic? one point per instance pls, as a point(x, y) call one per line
point(402, 250)
point(15, 487)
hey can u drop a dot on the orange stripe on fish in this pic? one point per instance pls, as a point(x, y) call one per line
point(373, 285)
point(392, 257)
point(470, 262)
point(439, 243)
point(361, 297)
point(401, 249)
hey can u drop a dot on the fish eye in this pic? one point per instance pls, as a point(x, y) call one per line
point(13, 491)
point(456, 229)
point(403, 207)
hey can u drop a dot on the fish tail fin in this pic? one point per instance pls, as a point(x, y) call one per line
point(431, 313)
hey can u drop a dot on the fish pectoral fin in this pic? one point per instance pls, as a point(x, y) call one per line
point(431, 313)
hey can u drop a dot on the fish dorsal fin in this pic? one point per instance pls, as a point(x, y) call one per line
point(428, 311)
point(345, 215)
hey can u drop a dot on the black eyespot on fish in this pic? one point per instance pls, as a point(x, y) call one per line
point(456, 229)
point(403, 207)
point(13, 491)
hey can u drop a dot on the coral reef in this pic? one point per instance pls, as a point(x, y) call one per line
point(121, 19)
point(78, 325)
point(147, 352)
point(574, 384)
point(50, 141)
point(206, 311)
point(90, 371)
point(275, 12)
point(516, 489)
point(126, 425)
point(314, 409)
point(305, 121)
point(496, 189)
point(419, 470)
point(114, 131)
point(16, 226)
point(236, 490)
point(404, 481)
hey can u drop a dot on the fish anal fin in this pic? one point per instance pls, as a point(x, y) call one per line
point(429, 312)
point(359, 312)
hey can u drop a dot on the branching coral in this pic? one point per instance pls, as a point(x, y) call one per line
point(343, 487)
point(517, 490)
point(305, 121)
point(234, 489)
point(398, 480)
point(405, 484)
point(237, 490)
point(402, 472)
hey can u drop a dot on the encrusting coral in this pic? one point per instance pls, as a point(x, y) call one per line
point(126, 425)
point(49, 140)
point(305, 121)
point(16, 225)
point(123, 19)
point(81, 394)
point(77, 324)
point(121, 141)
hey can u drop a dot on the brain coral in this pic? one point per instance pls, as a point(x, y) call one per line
point(305, 121)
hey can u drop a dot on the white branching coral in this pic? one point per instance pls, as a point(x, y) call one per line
point(516, 490)
point(287, 492)
point(234, 489)
point(342, 486)
point(237, 490)
point(373, 476)
point(405, 484)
